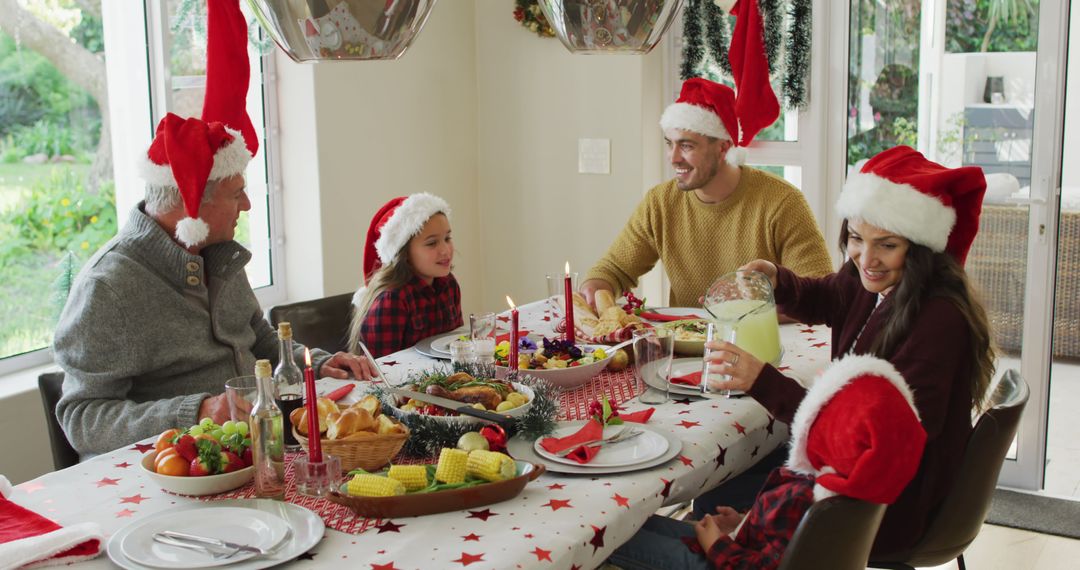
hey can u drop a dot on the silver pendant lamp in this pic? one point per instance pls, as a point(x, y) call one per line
point(610, 26)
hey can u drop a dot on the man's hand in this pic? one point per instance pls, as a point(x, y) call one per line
point(591, 286)
point(217, 408)
point(344, 365)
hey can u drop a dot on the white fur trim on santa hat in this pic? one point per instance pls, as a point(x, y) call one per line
point(5, 487)
point(39, 551)
point(229, 160)
point(839, 374)
point(406, 221)
point(192, 231)
point(898, 208)
point(687, 117)
point(359, 295)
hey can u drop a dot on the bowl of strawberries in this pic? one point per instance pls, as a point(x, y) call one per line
point(203, 459)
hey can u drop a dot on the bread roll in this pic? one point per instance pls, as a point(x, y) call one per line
point(389, 426)
point(349, 422)
point(582, 309)
point(604, 301)
point(298, 418)
point(325, 406)
point(369, 403)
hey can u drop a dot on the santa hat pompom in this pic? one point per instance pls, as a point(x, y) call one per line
point(736, 156)
point(192, 231)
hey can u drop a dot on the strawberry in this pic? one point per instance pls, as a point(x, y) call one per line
point(246, 457)
point(231, 462)
point(185, 445)
point(208, 461)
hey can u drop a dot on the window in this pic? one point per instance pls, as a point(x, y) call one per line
point(67, 168)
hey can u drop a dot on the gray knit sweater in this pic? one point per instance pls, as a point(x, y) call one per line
point(140, 349)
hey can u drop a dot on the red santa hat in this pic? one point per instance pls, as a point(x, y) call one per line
point(900, 191)
point(188, 153)
point(395, 224)
point(706, 108)
point(857, 432)
point(755, 103)
point(29, 540)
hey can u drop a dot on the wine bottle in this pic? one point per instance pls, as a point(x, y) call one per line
point(288, 384)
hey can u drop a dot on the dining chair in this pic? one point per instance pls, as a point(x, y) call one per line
point(958, 521)
point(50, 386)
point(835, 533)
point(318, 323)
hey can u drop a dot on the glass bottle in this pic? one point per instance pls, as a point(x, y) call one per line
point(267, 448)
point(288, 384)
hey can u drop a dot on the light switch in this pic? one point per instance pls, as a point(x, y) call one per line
point(594, 156)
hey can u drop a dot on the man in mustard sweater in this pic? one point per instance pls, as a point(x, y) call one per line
point(715, 215)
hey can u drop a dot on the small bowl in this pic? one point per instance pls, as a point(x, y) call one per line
point(686, 347)
point(197, 486)
point(567, 378)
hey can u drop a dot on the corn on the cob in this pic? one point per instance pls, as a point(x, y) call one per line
point(451, 467)
point(490, 465)
point(367, 485)
point(414, 477)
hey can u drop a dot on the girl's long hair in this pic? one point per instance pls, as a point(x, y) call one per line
point(928, 274)
point(394, 275)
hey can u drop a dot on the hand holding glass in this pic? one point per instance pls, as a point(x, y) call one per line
point(710, 382)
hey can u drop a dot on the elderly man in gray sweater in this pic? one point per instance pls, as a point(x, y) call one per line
point(163, 314)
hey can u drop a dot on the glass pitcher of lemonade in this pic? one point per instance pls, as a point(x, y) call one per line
point(742, 302)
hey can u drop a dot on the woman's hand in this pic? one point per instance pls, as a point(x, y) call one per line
point(762, 266)
point(741, 366)
point(343, 365)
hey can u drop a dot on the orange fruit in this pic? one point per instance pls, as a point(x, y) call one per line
point(165, 439)
point(169, 462)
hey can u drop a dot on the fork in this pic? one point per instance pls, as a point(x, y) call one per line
point(216, 555)
point(624, 435)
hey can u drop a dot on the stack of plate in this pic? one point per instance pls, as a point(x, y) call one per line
point(650, 449)
point(438, 346)
point(285, 529)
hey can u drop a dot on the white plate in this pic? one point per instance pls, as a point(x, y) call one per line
point(682, 367)
point(242, 526)
point(523, 449)
point(307, 530)
point(424, 346)
point(645, 447)
point(442, 344)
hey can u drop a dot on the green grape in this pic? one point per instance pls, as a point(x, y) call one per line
point(242, 428)
point(195, 430)
point(206, 423)
point(228, 427)
point(217, 434)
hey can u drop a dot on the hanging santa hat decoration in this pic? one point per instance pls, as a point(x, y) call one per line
point(395, 224)
point(857, 432)
point(188, 153)
point(755, 102)
point(900, 191)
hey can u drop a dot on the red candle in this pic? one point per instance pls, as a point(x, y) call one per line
point(568, 286)
point(314, 441)
point(512, 359)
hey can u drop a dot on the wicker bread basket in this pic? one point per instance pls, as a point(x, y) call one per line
point(370, 453)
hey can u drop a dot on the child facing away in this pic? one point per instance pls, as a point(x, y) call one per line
point(409, 292)
point(856, 434)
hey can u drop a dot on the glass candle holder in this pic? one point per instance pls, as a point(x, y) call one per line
point(316, 478)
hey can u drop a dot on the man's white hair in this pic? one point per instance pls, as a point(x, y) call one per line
point(161, 200)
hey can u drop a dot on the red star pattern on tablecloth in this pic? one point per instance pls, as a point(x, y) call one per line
point(808, 330)
point(819, 345)
point(106, 481)
point(555, 486)
point(471, 536)
point(482, 515)
point(621, 500)
point(542, 554)
point(686, 461)
point(667, 488)
point(598, 537)
point(387, 566)
point(575, 567)
point(32, 487)
point(467, 558)
point(684, 412)
point(755, 451)
point(389, 363)
point(784, 368)
point(739, 428)
point(689, 424)
point(685, 401)
point(721, 455)
point(124, 513)
point(142, 447)
point(528, 535)
point(557, 504)
point(136, 499)
point(123, 465)
point(389, 526)
point(769, 428)
point(502, 319)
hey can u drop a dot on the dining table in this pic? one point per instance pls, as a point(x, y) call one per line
point(559, 521)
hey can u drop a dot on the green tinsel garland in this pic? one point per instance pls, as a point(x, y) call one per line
point(772, 23)
point(800, 18)
point(432, 433)
point(718, 35)
point(693, 52)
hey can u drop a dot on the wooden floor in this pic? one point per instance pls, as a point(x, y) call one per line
point(1001, 548)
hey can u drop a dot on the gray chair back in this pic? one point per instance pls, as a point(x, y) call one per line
point(51, 387)
point(318, 323)
point(835, 533)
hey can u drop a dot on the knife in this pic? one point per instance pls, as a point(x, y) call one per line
point(504, 420)
point(184, 537)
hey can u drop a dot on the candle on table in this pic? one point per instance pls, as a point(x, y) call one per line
point(311, 401)
point(568, 286)
point(512, 359)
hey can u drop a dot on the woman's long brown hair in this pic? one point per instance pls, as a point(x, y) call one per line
point(928, 274)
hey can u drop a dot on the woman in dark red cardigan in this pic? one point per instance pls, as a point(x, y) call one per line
point(902, 295)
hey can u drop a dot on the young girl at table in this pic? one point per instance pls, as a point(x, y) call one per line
point(409, 292)
point(902, 295)
point(856, 434)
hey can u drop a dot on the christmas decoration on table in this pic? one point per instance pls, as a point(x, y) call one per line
point(530, 16)
point(432, 431)
point(605, 412)
point(633, 306)
point(773, 34)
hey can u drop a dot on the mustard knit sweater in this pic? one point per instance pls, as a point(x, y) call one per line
point(765, 218)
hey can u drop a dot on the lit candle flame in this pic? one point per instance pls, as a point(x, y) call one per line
point(568, 269)
point(307, 357)
point(510, 302)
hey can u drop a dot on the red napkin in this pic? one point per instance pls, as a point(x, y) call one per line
point(692, 379)
point(27, 538)
point(639, 417)
point(589, 432)
point(506, 336)
point(340, 392)
point(667, 318)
